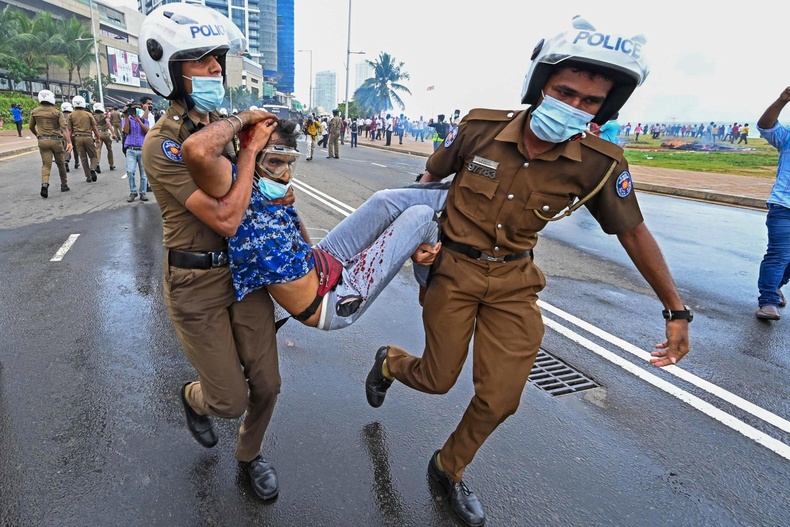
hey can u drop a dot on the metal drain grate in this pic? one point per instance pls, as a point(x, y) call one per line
point(554, 376)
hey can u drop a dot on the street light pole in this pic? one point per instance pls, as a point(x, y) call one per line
point(348, 56)
point(310, 51)
point(96, 55)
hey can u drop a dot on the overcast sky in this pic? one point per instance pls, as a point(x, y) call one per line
point(720, 61)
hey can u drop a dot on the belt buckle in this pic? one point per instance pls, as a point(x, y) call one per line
point(219, 259)
point(487, 258)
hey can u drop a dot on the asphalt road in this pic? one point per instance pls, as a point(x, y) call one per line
point(92, 433)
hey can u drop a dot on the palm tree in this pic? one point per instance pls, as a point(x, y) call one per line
point(49, 33)
point(9, 24)
point(378, 92)
point(78, 50)
point(25, 44)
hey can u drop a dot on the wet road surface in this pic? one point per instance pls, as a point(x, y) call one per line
point(92, 432)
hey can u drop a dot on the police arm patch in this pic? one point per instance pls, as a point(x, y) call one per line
point(451, 136)
point(172, 150)
point(624, 184)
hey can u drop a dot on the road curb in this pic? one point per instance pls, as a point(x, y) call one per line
point(396, 150)
point(702, 195)
point(24, 150)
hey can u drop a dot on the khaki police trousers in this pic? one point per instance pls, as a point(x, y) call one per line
point(106, 140)
point(85, 151)
point(52, 149)
point(334, 145)
point(231, 345)
point(497, 301)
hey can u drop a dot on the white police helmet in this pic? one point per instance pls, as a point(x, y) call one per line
point(78, 101)
point(66, 107)
point(223, 112)
point(46, 96)
point(616, 55)
point(98, 107)
point(179, 32)
point(235, 111)
point(253, 107)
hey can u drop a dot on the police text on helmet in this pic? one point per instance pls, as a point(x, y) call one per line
point(627, 46)
point(207, 30)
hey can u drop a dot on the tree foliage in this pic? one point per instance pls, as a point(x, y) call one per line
point(378, 93)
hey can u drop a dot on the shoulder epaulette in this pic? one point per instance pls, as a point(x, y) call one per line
point(603, 146)
point(485, 114)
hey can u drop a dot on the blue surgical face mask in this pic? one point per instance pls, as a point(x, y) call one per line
point(207, 92)
point(554, 121)
point(271, 189)
point(140, 112)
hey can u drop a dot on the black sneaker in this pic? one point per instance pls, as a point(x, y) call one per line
point(93, 175)
point(112, 167)
point(98, 169)
point(45, 190)
point(67, 168)
point(64, 188)
point(376, 385)
point(263, 478)
point(464, 501)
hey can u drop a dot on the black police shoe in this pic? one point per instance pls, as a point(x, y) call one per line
point(376, 385)
point(98, 169)
point(64, 188)
point(263, 478)
point(200, 426)
point(112, 167)
point(67, 168)
point(463, 500)
point(45, 190)
point(93, 175)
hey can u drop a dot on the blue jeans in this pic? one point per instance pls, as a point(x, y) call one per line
point(374, 243)
point(134, 160)
point(775, 268)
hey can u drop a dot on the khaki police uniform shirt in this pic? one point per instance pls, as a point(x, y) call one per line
point(172, 184)
point(48, 121)
point(82, 122)
point(115, 117)
point(101, 122)
point(497, 188)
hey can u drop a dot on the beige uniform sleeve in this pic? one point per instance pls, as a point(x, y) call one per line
point(163, 163)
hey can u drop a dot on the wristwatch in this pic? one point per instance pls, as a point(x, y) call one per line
point(680, 314)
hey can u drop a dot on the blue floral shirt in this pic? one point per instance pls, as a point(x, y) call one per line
point(268, 247)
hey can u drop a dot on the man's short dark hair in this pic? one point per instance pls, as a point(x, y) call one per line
point(440, 117)
point(287, 130)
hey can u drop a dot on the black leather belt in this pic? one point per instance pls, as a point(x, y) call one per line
point(471, 252)
point(186, 260)
point(51, 137)
point(83, 135)
point(134, 147)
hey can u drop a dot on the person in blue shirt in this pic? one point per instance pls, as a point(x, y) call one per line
point(775, 267)
point(16, 111)
point(610, 130)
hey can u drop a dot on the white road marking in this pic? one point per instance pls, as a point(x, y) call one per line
point(743, 404)
point(376, 164)
point(6, 158)
point(723, 417)
point(739, 426)
point(326, 199)
point(64, 248)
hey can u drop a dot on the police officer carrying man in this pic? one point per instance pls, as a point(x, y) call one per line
point(86, 137)
point(515, 171)
point(49, 126)
point(231, 344)
point(106, 135)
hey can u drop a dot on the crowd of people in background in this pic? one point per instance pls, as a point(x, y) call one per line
point(736, 133)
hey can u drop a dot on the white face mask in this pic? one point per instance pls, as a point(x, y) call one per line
point(554, 121)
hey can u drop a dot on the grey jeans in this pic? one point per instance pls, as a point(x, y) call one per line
point(374, 242)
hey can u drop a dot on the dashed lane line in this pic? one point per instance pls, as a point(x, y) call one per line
point(64, 248)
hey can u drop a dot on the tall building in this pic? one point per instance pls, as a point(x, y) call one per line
point(268, 29)
point(285, 45)
point(362, 72)
point(326, 90)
